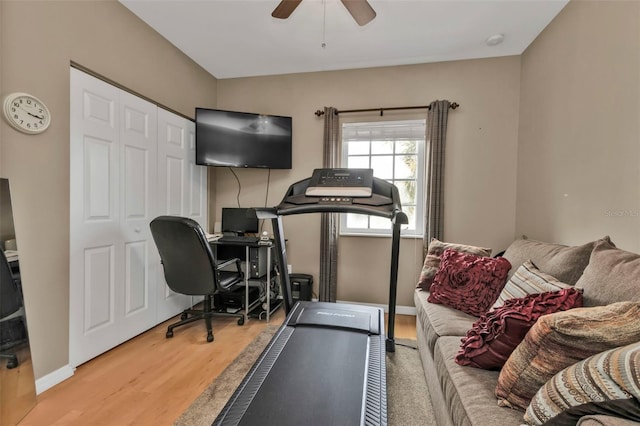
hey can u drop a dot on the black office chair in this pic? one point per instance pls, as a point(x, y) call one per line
point(190, 268)
point(12, 318)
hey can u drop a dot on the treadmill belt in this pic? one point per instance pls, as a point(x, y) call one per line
point(317, 379)
point(324, 366)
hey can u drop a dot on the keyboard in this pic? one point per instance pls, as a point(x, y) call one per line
point(238, 239)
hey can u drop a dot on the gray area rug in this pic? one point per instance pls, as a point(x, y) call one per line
point(408, 401)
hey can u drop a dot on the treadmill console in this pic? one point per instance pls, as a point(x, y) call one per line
point(335, 200)
point(341, 183)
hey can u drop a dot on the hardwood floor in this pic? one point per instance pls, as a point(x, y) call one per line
point(151, 379)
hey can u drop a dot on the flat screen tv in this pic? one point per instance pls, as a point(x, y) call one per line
point(241, 139)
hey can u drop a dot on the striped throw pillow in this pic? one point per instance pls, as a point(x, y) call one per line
point(559, 340)
point(528, 279)
point(606, 383)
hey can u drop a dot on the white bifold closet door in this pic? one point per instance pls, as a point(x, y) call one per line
point(130, 161)
point(182, 190)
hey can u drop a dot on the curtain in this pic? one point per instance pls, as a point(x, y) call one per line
point(329, 221)
point(436, 136)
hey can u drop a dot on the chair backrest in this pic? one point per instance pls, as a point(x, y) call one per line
point(187, 258)
point(10, 298)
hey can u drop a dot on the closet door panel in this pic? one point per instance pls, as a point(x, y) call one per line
point(95, 235)
point(99, 268)
point(99, 191)
point(176, 150)
point(174, 186)
point(138, 139)
point(197, 181)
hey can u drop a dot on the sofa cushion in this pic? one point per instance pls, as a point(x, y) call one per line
point(606, 383)
point(469, 392)
point(558, 340)
point(528, 279)
point(613, 275)
point(566, 263)
point(440, 320)
point(432, 260)
point(468, 282)
point(496, 334)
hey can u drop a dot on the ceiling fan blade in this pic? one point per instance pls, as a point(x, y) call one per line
point(361, 11)
point(285, 9)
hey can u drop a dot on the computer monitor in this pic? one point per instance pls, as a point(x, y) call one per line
point(239, 221)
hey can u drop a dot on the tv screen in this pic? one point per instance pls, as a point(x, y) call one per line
point(240, 139)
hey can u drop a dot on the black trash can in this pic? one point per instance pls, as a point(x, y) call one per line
point(301, 287)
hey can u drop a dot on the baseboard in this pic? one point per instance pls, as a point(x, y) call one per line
point(401, 310)
point(53, 378)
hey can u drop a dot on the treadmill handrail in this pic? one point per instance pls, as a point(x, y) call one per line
point(384, 202)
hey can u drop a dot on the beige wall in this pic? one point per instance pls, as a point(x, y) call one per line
point(105, 37)
point(579, 140)
point(480, 166)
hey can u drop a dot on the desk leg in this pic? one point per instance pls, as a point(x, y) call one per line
point(247, 270)
point(268, 287)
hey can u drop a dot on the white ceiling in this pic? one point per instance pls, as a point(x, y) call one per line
point(239, 38)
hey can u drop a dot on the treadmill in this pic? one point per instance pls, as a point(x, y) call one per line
point(326, 363)
point(324, 366)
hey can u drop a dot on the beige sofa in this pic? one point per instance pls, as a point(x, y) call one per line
point(463, 395)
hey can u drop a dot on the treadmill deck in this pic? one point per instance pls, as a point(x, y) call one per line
point(325, 365)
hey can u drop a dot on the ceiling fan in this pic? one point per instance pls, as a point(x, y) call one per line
point(361, 10)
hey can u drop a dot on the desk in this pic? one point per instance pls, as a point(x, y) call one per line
point(253, 266)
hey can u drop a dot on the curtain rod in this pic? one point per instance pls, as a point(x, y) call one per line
point(319, 112)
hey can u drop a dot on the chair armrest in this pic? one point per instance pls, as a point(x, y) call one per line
point(228, 278)
point(228, 262)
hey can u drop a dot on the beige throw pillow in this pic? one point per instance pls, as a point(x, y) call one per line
point(559, 340)
point(565, 263)
point(613, 275)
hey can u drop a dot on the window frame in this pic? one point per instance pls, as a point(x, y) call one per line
point(420, 179)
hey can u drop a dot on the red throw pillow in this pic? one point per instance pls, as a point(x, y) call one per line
point(467, 282)
point(497, 333)
point(432, 260)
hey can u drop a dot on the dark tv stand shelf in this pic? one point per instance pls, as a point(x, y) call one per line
point(384, 202)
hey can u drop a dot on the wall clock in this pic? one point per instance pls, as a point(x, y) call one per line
point(26, 113)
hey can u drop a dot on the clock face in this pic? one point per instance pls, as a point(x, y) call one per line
point(26, 113)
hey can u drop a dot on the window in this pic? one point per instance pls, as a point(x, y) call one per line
point(395, 152)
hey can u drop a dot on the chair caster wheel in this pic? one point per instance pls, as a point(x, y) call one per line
point(210, 337)
point(169, 334)
point(184, 316)
point(13, 363)
point(241, 321)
